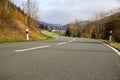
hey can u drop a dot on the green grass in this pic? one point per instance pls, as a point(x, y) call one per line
point(116, 45)
point(13, 41)
point(113, 44)
point(58, 33)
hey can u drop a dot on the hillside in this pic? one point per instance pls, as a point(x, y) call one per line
point(13, 24)
point(102, 27)
point(97, 29)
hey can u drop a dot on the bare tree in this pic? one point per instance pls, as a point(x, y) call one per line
point(114, 10)
point(5, 3)
point(28, 11)
point(31, 9)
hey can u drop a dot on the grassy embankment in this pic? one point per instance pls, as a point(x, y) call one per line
point(13, 26)
point(113, 44)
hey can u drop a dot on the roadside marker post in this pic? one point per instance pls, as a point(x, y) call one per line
point(110, 37)
point(27, 35)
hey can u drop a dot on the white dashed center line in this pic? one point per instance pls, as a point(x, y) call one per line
point(61, 43)
point(21, 50)
point(40, 47)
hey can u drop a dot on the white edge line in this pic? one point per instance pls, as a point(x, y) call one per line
point(61, 43)
point(21, 50)
point(113, 49)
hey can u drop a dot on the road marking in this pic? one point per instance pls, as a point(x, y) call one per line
point(118, 65)
point(61, 43)
point(21, 50)
point(113, 49)
point(71, 40)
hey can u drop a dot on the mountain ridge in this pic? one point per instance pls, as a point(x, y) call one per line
point(57, 26)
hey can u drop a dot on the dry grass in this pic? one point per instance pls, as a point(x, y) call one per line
point(17, 33)
point(113, 44)
point(12, 27)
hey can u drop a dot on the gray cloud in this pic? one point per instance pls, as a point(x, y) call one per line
point(65, 11)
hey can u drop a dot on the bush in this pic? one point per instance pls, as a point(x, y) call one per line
point(114, 25)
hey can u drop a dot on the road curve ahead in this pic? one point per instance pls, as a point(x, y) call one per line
point(61, 59)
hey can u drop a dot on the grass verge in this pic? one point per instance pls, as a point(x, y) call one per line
point(58, 33)
point(113, 44)
point(12, 41)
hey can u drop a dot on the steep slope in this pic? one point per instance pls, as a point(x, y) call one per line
point(97, 29)
point(13, 25)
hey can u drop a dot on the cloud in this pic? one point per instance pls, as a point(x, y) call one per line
point(24, 0)
point(65, 11)
point(101, 4)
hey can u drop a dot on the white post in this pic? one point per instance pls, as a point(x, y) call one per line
point(110, 37)
point(27, 35)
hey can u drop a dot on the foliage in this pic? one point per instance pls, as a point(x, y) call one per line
point(99, 28)
point(75, 30)
point(114, 25)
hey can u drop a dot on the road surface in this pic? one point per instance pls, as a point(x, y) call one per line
point(61, 59)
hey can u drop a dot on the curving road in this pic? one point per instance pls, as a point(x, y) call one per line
point(61, 59)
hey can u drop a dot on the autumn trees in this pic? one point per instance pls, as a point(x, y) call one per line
point(30, 7)
point(114, 25)
point(99, 27)
point(4, 11)
point(75, 29)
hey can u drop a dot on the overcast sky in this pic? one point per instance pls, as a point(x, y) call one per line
point(65, 11)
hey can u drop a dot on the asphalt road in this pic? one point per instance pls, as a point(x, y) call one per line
point(61, 59)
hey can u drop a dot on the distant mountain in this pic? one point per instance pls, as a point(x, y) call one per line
point(49, 26)
point(64, 27)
